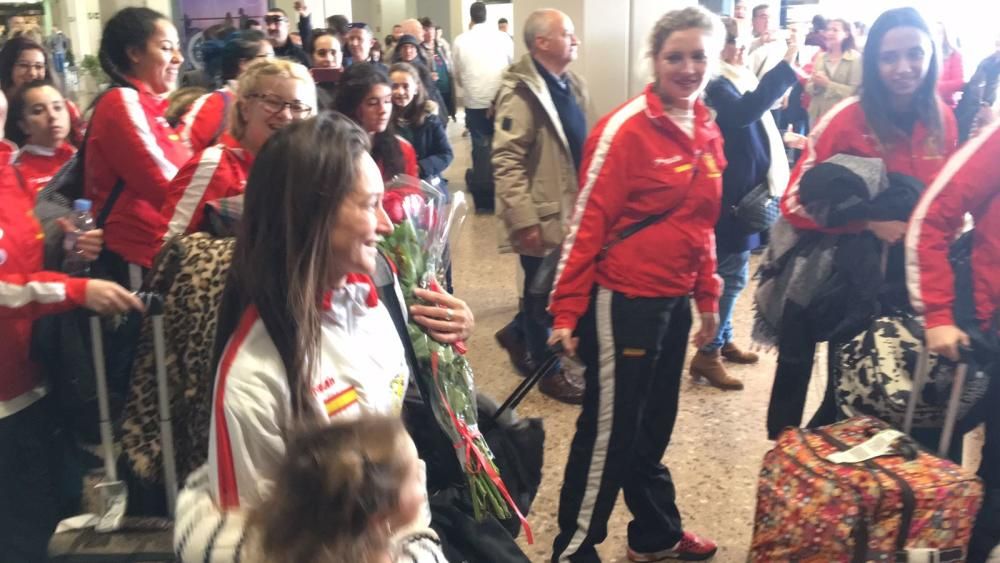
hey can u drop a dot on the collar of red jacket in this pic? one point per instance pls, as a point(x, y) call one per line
point(704, 122)
point(233, 144)
point(63, 150)
point(159, 101)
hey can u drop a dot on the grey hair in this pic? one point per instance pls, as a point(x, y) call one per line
point(537, 25)
point(694, 17)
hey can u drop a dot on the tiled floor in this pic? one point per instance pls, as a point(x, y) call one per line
point(719, 439)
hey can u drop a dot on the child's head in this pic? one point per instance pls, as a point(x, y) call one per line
point(340, 492)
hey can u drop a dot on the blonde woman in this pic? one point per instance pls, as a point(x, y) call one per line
point(272, 94)
point(641, 244)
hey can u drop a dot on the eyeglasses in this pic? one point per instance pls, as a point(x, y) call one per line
point(275, 19)
point(274, 104)
point(30, 66)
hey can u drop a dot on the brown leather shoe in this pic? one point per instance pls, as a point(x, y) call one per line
point(563, 386)
point(508, 339)
point(708, 366)
point(734, 354)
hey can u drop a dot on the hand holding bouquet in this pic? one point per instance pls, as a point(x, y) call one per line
point(423, 221)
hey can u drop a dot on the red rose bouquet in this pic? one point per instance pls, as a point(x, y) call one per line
point(423, 221)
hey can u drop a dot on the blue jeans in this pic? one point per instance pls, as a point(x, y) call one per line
point(734, 270)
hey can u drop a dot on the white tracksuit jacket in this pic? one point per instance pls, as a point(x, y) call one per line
point(363, 369)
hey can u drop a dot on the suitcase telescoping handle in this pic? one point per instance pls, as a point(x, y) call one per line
point(154, 308)
point(518, 395)
point(951, 414)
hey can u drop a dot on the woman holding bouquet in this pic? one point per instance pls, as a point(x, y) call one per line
point(365, 95)
point(641, 241)
point(310, 344)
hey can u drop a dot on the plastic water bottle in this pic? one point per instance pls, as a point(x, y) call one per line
point(74, 263)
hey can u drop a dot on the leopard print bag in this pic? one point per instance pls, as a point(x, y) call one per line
point(190, 273)
point(874, 374)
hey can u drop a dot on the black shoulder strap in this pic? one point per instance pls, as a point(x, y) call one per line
point(81, 154)
point(385, 285)
point(636, 227)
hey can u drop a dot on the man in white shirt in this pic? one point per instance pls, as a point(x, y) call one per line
point(480, 57)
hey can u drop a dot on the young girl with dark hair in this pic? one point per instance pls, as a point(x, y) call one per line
point(132, 152)
point(308, 343)
point(207, 119)
point(899, 119)
point(22, 60)
point(416, 118)
point(365, 95)
point(39, 122)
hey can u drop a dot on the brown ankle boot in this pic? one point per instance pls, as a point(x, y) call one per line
point(708, 366)
point(734, 354)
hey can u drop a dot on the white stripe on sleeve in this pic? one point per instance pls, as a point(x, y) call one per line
point(138, 118)
point(14, 295)
point(191, 199)
point(913, 233)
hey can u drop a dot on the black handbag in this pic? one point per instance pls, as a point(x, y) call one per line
point(757, 210)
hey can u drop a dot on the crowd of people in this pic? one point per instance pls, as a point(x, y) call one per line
point(621, 225)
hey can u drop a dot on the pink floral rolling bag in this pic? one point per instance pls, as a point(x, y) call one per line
point(858, 491)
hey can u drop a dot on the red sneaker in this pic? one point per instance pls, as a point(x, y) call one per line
point(691, 548)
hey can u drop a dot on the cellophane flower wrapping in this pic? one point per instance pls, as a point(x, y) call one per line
point(424, 221)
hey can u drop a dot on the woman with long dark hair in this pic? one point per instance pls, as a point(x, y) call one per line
point(365, 95)
point(897, 118)
point(22, 60)
point(132, 153)
point(309, 343)
point(208, 117)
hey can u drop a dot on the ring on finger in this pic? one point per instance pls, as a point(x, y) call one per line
point(449, 314)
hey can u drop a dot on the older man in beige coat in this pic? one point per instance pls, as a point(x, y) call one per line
point(540, 127)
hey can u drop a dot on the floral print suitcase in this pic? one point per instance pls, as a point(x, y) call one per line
point(813, 510)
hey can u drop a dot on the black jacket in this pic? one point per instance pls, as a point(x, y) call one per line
point(430, 140)
point(746, 146)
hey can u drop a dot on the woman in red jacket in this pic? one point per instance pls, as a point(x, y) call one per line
point(205, 122)
point(656, 158)
point(39, 122)
point(23, 61)
point(272, 94)
point(898, 118)
point(28, 467)
point(952, 75)
point(967, 184)
point(365, 95)
point(132, 152)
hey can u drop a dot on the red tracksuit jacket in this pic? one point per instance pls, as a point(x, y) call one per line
point(130, 139)
point(217, 172)
point(38, 164)
point(968, 184)
point(206, 120)
point(26, 292)
point(844, 130)
point(637, 163)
